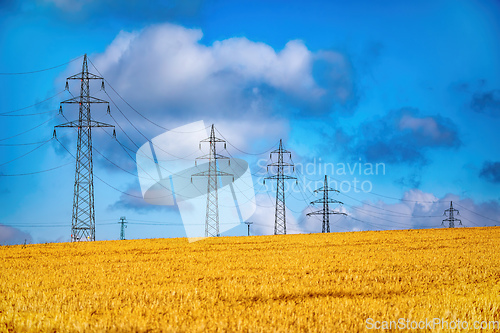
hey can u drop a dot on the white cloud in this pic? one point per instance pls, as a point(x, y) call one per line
point(419, 209)
point(427, 211)
point(167, 73)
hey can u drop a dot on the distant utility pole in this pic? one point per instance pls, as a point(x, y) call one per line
point(212, 216)
point(280, 213)
point(326, 212)
point(83, 218)
point(122, 232)
point(451, 216)
point(248, 225)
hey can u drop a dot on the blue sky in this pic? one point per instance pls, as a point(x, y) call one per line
point(414, 86)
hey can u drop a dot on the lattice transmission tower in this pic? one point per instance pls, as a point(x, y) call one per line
point(83, 218)
point(280, 177)
point(123, 221)
point(212, 174)
point(326, 201)
point(450, 213)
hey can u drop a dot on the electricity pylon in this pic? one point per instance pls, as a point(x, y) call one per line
point(326, 212)
point(280, 212)
point(83, 219)
point(122, 231)
point(212, 174)
point(451, 216)
point(248, 225)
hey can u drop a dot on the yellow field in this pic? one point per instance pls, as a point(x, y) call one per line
point(295, 283)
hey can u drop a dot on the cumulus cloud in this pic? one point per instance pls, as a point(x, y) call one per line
point(249, 90)
point(490, 171)
point(401, 136)
point(411, 181)
point(132, 200)
point(487, 103)
point(415, 210)
point(10, 236)
point(171, 74)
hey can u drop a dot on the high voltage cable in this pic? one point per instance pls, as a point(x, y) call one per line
point(398, 213)
point(111, 186)
point(35, 172)
point(21, 144)
point(31, 129)
point(407, 215)
point(27, 115)
point(378, 194)
point(364, 203)
point(462, 217)
point(246, 153)
point(356, 219)
point(477, 213)
point(19, 157)
point(142, 134)
point(41, 70)
point(106, 183)
point(139, 113)
point(391, 221)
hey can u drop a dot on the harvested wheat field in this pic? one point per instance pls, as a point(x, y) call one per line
point(338, 282)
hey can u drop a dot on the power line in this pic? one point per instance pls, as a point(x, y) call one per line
point(35, 172)
point(134, 109)
point(477, 213)
point(477, 225)
point(247, 153)
point(41, 70)
point(377, 194)
point(22, 144)
point(27, 114)
point(31, 129)
point(29, 152)
point(100, 179)
point(142, 134)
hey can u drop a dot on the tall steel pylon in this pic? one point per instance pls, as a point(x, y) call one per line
point(83, 219)
point(451, 216)
point(212, 174)
point(326, 212)
point(280, 211)
point(122, 230)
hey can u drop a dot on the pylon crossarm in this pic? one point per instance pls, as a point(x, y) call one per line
point(280, 151)
point(322, 212)
point(332, 212)
point(212, 140)
point(280, 177)
point(328, 189)
point(89, 99)
point(320, 201)
point(207, 173)
point(76, 123)
point(278, 164)
point(212, 157)
point(94, 123)
point(89, 76)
